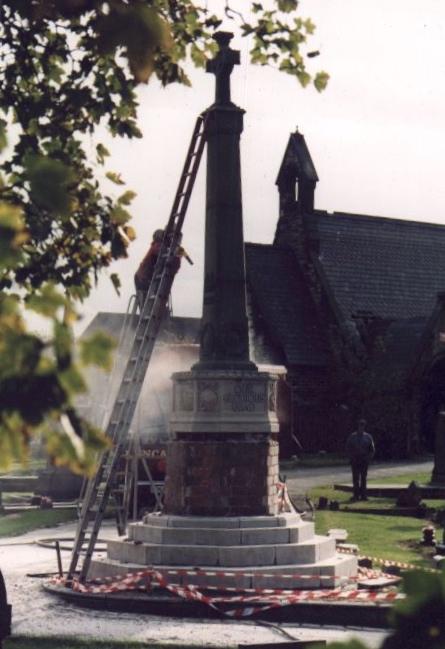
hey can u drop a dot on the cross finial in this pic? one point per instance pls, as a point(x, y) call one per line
point(222, 66)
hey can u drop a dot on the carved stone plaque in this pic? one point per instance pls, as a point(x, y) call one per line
point(187, 394)
point(208, 398)
point(219, 401)
point(244, 396)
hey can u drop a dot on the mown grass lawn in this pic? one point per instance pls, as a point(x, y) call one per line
point(15, 524)
point(30, 468)
point(67, 643)
point(406, 478)
point(395, 538)
point(389, 537)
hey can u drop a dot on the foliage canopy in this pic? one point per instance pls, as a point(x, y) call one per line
point(68, 67)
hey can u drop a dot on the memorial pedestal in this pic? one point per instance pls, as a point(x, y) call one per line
point(229, 552)
point(223, 458)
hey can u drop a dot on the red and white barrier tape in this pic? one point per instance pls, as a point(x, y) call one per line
point(264, 598)
point(284, 502)
point(387, 563)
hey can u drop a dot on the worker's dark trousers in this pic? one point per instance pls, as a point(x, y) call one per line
point(359, 475)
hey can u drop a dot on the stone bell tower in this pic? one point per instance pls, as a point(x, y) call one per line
point(223, 460)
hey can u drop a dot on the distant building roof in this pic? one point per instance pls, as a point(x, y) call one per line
point(173, 330)
point(391, 268)
point(175, 350)
point(279, 292)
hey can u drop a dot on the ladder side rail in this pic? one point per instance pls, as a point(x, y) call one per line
point(125, 404)
point(129, 315)
point(190, 178)
point(145, 336)
point(132, 369)
point(184, 175)
point(90, 496)
point(131, 308)
point(117, 454)
point(127, 487)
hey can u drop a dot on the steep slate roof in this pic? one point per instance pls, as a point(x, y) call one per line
point(280, 294)
point(173, 330)
point(387, 267)
point(402, 340)
point(297, 161)
point(392, 363)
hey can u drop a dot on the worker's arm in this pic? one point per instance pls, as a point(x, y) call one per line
point(181, 252)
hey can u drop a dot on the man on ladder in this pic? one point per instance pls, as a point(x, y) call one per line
point(144, 273)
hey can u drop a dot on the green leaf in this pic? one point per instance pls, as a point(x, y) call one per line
point(287, 5)
point(127, 197)
point(119, 215)
point(101, 153)
point(3, 138)
point(304, 78)
point(321, 81)
point(309, 26)
point(46, 301)
point(96, 350)
point(116, 282)
point(49, 179)
point(129, 232)
point(12, 234)
point(63, 343)
point(72, 381)
point(141, 31)
point(115, 178)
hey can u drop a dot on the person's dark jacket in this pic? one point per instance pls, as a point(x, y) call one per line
point(360, 447)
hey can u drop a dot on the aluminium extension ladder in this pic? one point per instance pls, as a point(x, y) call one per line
point(105, 481)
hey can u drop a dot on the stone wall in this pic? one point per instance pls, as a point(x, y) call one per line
point(222, 475)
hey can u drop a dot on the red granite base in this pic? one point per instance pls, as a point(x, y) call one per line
point(221, 475)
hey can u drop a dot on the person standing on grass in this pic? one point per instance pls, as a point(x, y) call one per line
point(360, 450)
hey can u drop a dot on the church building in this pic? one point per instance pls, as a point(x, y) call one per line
point(351, 305)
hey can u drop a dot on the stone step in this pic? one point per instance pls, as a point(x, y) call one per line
point(323, 574)
point(296, 533)
point(226, 522)
point(318, 548)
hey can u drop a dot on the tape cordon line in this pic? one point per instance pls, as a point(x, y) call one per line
point(247, 601)
point(251, 600)
point(387, 563)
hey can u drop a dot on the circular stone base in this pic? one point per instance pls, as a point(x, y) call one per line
point(161, 603)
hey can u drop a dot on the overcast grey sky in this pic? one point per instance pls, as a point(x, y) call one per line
point(376, 134)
